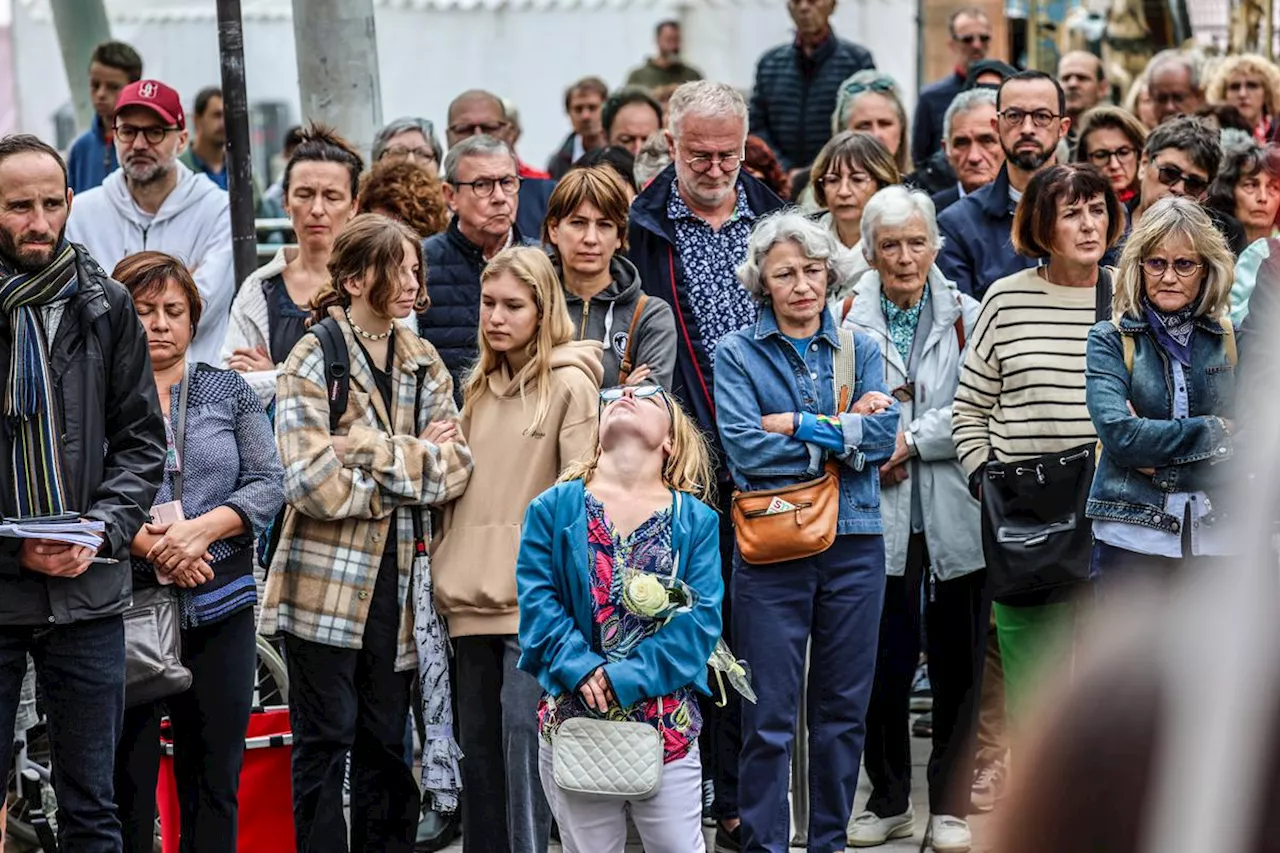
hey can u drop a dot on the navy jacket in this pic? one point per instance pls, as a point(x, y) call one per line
point(931, 108)
point(946, 198)
point(794, 96)
point(652, 238)
point(91, 158)
point(535, 193)
point(452, 321)
point(977, 250)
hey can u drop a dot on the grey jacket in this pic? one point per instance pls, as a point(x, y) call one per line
point(608, 319)
point(951, 515)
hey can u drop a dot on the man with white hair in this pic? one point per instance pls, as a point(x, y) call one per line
point(688, 234)
point(1173, 81)
point(971, 144)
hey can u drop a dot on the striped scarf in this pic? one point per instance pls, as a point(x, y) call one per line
point(38, 481)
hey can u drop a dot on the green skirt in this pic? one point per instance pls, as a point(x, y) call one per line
point(1032, 640)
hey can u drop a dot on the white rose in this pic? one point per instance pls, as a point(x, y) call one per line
point(646, 595)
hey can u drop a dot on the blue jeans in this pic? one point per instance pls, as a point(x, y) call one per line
point(80, 682)
point(832, 601)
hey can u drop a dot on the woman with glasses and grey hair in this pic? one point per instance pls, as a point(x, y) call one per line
point(932, 532)
point(780, 421)
point(408, 138)
point(1161, 392)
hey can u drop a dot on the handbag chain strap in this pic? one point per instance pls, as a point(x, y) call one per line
point(180, 430)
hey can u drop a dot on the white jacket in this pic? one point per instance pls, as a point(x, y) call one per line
point(951, 516)
point(250, 325)
point(193, 224)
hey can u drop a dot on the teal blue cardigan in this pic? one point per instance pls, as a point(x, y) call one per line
point(556, 622)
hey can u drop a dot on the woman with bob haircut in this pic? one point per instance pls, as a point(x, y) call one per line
point(1161, 392)
point(1022, 391)
point(529, 412)
point(1251, 84)
point(586, 229)
point(638, 517)
point(780, 421)
point(1112, 140)
point(338, 589)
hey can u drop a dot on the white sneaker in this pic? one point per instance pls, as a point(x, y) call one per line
point(870, 830)
point(949, 834)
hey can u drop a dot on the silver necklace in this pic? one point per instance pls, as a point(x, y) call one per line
point(368, 336)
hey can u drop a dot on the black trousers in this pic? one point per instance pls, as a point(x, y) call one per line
point(346, 701)
point(209, 722)
point(721, 740)
point(956, 627)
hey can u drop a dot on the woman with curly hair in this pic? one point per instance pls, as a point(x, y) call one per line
point(1251, 84)
point(762, 165)
point(408, 192)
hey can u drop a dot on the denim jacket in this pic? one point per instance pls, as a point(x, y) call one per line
point(1185, 453)
point(758, 372)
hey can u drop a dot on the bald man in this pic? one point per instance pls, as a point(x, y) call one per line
point(1083, 82)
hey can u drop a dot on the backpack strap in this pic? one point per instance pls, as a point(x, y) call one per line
point(337, 368)
point(1229, 339)
point(1127, 344)
point(960, 323)
point(845, 307)
point(624, 369)
point(844, 371)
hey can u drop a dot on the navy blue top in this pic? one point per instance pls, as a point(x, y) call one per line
point(91, 158)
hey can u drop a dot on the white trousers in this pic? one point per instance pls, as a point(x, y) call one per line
point(669, 822)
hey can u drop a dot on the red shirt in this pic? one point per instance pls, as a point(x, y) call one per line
point(527, 171)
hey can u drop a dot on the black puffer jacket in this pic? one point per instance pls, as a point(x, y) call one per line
point(113, 446)
point(452, 321)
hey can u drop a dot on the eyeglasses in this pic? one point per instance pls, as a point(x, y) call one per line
point(484, 187)
point(856, 180)
point(154, 134)
point(1182, 267)
point(492, 128)
point(973, 38)
point(1244, 85)
point(397, 153)
point(1014, 117)
point(609, 396)
point(1100, 157)
point(1171, 176)
point(702, 163)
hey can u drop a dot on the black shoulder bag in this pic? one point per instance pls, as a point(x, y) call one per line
point(153, 666)
point(1035, 536)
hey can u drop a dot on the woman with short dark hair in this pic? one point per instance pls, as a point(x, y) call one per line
point(1112, 140)
point(221, 487)
point(1248, 185)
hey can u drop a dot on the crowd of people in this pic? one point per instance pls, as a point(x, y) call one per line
point(750, 421)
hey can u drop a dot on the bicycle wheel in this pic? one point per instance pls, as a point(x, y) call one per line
point(272, 687)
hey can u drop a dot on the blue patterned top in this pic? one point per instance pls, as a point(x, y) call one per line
point(230, 460)
point(902, 324)
point(709, 262)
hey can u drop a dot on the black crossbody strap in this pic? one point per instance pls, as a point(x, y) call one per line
point(337, 368)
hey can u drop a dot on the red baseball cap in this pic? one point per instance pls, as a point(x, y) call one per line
point(155, 96)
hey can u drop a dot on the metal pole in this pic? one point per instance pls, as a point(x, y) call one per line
point(1033, 35)
point(81, 25)
point(1271, 29)
point(338, 66)
point(239, 159)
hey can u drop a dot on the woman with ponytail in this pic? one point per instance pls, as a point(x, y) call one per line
point(529, 412)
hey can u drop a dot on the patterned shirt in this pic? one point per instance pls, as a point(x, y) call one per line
point(618, 631)
point(902, 324)
point(709, 261)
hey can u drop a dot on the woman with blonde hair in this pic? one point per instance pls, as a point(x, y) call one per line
point(1160, 383)
point(1251, 84)
point(530, 406)
point(618, 618)
point(340, 576)
point(870, 101)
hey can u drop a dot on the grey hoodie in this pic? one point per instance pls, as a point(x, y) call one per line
point(609, 315)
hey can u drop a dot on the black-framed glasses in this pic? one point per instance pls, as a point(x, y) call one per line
point(1171, 176)
point(489, 128)
point(974, 38)
point(609, 396)
point(702, 163)
point(1014, 117)
point(400, 153)
point(484, 187)
point(1100, 157)
point(154, 134)
point(1182, 267)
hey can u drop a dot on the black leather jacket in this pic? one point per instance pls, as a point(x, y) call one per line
point(113, 446)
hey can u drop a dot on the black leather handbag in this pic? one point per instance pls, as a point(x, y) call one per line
point(153, 666)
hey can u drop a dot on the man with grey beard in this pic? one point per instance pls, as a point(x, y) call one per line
point(154, 202)
point(1030, 120)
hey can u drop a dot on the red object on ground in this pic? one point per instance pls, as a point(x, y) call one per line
point(266, 787)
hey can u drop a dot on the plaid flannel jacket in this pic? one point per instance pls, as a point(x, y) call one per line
point(339, 514)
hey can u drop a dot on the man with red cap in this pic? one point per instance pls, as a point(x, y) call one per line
point(155, 202)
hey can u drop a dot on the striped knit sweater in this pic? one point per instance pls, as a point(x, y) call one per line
point(1022, 384)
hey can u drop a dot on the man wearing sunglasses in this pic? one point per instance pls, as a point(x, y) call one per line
point(970, 30)
point(155, 202)
point(1181, 158)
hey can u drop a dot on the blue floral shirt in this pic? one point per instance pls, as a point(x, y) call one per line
point(902, 324)
point(709, 260)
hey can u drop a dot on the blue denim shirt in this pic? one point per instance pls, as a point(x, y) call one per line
point(1185, 452)
point(758, 372)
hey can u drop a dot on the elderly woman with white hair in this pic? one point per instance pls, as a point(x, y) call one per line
point(1160, 386)
point(408, 138)
point(805, 418)
point(932, 529)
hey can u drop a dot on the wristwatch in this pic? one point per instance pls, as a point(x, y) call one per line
point(911, 444)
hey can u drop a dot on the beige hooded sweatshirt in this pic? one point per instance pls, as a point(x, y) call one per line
point(474, 565)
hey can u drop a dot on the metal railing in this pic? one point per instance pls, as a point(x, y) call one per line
point(272, 234)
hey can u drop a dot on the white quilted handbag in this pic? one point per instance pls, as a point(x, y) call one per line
point(611, 759)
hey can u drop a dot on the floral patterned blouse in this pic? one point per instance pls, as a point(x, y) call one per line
point(618, 630)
